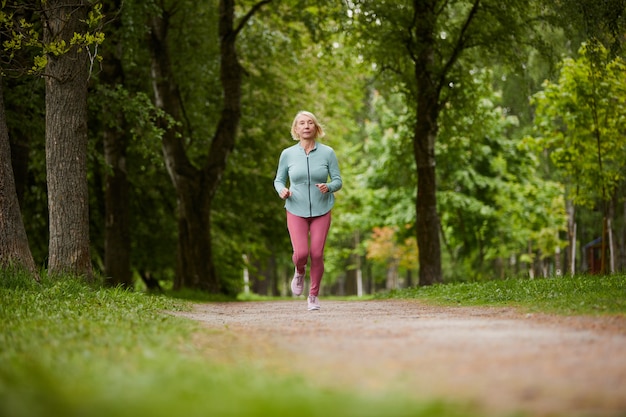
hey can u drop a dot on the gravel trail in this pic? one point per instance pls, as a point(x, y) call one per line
point(496, 358)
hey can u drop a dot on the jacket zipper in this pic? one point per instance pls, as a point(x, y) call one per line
point(308, 171)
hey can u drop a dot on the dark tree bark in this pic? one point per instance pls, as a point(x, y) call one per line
point(67, 77)
point(430, 76)
point(194, 268)
point(426, 203)
point(14, 249)
point(117, 242)
point(426, 129)
point(196, 187)
point(20, 149)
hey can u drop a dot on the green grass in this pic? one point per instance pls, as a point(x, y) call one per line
point(70, 349)
point(577, 295)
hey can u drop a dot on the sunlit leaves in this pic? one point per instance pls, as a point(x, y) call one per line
point(382, 247)
point(387, 248)
point(580, 121)
point(492, 203)
point(24, 33)
point(18, 34)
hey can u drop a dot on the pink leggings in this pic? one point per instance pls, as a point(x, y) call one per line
point(299, 230)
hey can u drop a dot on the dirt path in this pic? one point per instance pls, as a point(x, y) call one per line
point(496, 358)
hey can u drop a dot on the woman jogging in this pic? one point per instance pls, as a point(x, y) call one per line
point(312, 172)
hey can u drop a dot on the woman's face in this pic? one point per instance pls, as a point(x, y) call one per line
point(305, 127)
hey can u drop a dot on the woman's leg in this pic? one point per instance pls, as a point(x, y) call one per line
point(319, 227)
point(299, 233)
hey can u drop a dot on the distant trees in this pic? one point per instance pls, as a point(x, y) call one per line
point(498, 216)
point(580, 122)
point(425, 45)
point(159, 158)
point(196, 178)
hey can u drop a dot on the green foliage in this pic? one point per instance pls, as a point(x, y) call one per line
point(603, 21)
point(580, 294)
point(580, 122)
point(248, 216)
point(196, 65)
point(379, 183)
point(493, 205)
point(21, 32)
point(133, 117)
point(325, 56)
point(141, 120)
point(70, 349)
point(291, 65)
point(447, 42)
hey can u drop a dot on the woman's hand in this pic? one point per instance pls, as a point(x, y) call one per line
point(322, 187)
point(285, 193)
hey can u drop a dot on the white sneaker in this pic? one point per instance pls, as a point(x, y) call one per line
point(313, 303)
point(297, 283)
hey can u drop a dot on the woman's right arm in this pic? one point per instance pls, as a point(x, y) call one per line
point(282, 175)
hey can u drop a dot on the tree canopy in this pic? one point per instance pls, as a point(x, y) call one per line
point(465, 130)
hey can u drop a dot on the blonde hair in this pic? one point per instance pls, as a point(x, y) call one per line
point(318, 127)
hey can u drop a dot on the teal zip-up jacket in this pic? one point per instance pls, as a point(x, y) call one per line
point(303, 172)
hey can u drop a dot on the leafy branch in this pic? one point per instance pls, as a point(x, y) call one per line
point(21, 32)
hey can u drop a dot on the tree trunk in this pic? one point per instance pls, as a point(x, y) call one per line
point(603, 247)
point(391, 277)
point(14, 249)
point(117, 242)
point(196, 188)
point(622, 240)
point(571, 236)
point(20, 158)
point(426, 130)
point(557, 261)
point(194, 266)
point(264, 278)
point(66, 141)
point(351, 281)
point(609, 241)
point(431, 70)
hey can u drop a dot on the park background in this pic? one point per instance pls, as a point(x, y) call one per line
point(477, 140)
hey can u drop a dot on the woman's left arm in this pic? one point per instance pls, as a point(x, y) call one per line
point(335, 183)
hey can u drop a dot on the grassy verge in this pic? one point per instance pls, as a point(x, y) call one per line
point(69, 349)
point(583, 294)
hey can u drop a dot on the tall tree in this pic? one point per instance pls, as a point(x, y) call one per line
point(67, 75)
point(115, 135)
point(421, 43)
point(601, 21)
point(580, 121)
point(196, 185)
point(495, 209)
point(14, 249)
